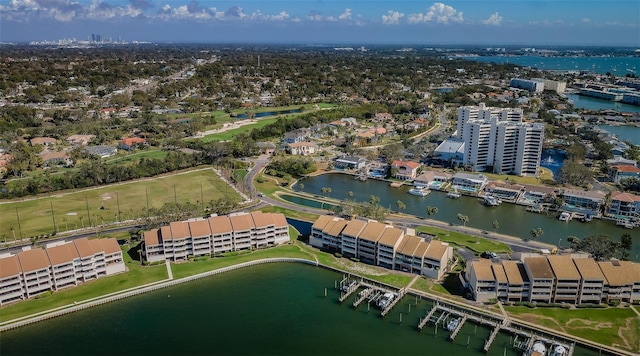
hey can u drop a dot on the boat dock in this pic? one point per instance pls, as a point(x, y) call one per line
point(455, 331)
point(428, 317)
point(395, 300)
point(365, 295)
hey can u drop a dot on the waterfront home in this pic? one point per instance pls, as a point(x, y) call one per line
point(469, 183)
point(61, 265)
point(504, 191)
point(619, 160)
point(405, 170)
point(567, 279)
point(623, 171)
point(432, 179)
point(377, 169)
point(588, 202)
point(302, 148)
point(181, 240)
point(541, 278)
point(382, 245)
point(349, 162)
point(451, 150)
point(592, 280)
point(266, 148)
point(574, 279)
point(624, 205)
point(129, 143)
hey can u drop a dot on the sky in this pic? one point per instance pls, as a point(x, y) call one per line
point(472, 22)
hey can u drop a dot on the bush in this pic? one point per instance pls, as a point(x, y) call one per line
point(354, 259)
point(614, 303)
point(338, 254)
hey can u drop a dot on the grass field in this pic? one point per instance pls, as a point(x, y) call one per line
point(477, 244)
point(100, 205)
point(545, 176)
point(618, 327)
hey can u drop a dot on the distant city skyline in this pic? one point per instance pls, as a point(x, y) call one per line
point(535, 22)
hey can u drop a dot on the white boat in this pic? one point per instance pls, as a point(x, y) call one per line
point(347, 286)
point(564, 216)
point(385, 300)
point(558, 350)
point(420, 191)
point(491, 201)
point(538, 349)
point(453, 324)
point(453, 194)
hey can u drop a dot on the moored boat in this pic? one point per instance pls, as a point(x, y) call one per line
point(420, 191)
point(537, 349)
point(385, 300)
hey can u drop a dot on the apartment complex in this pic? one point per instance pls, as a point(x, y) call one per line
point(218, 234)
point(62, 265)
point(573, 279)
point(382, 245)
point(496, 140)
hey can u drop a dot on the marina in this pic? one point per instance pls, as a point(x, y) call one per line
point(515, 220)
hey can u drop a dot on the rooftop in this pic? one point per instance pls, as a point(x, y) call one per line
point(539, 267)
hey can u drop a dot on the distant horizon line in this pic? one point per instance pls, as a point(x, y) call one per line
point(355, 45)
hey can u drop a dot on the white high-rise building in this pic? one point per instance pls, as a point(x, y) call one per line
point(497, 140)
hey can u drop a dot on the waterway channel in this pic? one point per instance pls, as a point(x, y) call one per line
point(512, 219)
point(274, 309)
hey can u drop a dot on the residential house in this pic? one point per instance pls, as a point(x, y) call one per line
point(469, 183)
point(383, 117)
point(387, 247)
point(80, 140)
point(101, 151)
point(619, 160)
point(266, 148)
point(44, 141)
point(299, 135)
point(377, 169)
point(129, 143)
point(517, 280)
point(624, 205)
point(436, 259)
point(588, 202)
point(302, 148)
point(56, 158)
point(349, 162)
point(221, 234)
point(405, 170)
point(504, 191)
point(620, 278)
point(349, 237)
point(432, 179)
point(623, 171)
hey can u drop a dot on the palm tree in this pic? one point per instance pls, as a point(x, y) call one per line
point(325, 190)
point(301, 186)
point(374, 200)
point(401, 205)
point(66, 226)
point(535, 233)
point(81, 222)
point(13, 232)
point(432, 210)
point(464, 219)
point(496, 225)
point(350, 194)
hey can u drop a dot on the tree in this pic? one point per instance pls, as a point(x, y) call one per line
point(301, 186)
point(432, 210)
point(496, 225)
point(400, 205)
point(350, 194)
point(374, 200)
point(536, 233)
point(464, 219)
point(325, 190)
point(600, 247)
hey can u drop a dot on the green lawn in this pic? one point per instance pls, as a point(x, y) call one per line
point(476, 244)
point(229, 134)
point(618, 327)
point(188, 269)
point(137, 155)
point(75, 209)
point(135, 276)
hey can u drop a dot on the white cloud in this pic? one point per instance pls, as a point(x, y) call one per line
point(439, 13)
point(346, 15)
point(586, 20)
point(495, 19)
point(392, 18)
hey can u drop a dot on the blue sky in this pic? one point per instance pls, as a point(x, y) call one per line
point(504, 22)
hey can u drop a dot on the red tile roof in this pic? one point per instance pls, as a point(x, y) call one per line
point(9, 266)
point(33, 260)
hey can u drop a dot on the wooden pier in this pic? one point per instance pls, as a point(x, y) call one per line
point(428, 317)
point(362, 296)
point(492, 337)
point(395, 300)
point(352, 288)
point(455, 331)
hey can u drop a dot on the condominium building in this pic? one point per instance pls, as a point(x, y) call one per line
point(573, 279)
point(624, 205)
point(536, 86)
point(497, 140)
point(62, 265)
point(181, 240)
point(382, 245)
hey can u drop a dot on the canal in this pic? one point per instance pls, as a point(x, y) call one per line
point(512, 219)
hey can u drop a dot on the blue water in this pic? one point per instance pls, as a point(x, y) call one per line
point(624, 133)
point(585, 102)
point(270, 113)
point(615, 65)
point(553, 160)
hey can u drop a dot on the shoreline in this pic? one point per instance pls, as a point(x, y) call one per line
point(520, 326)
